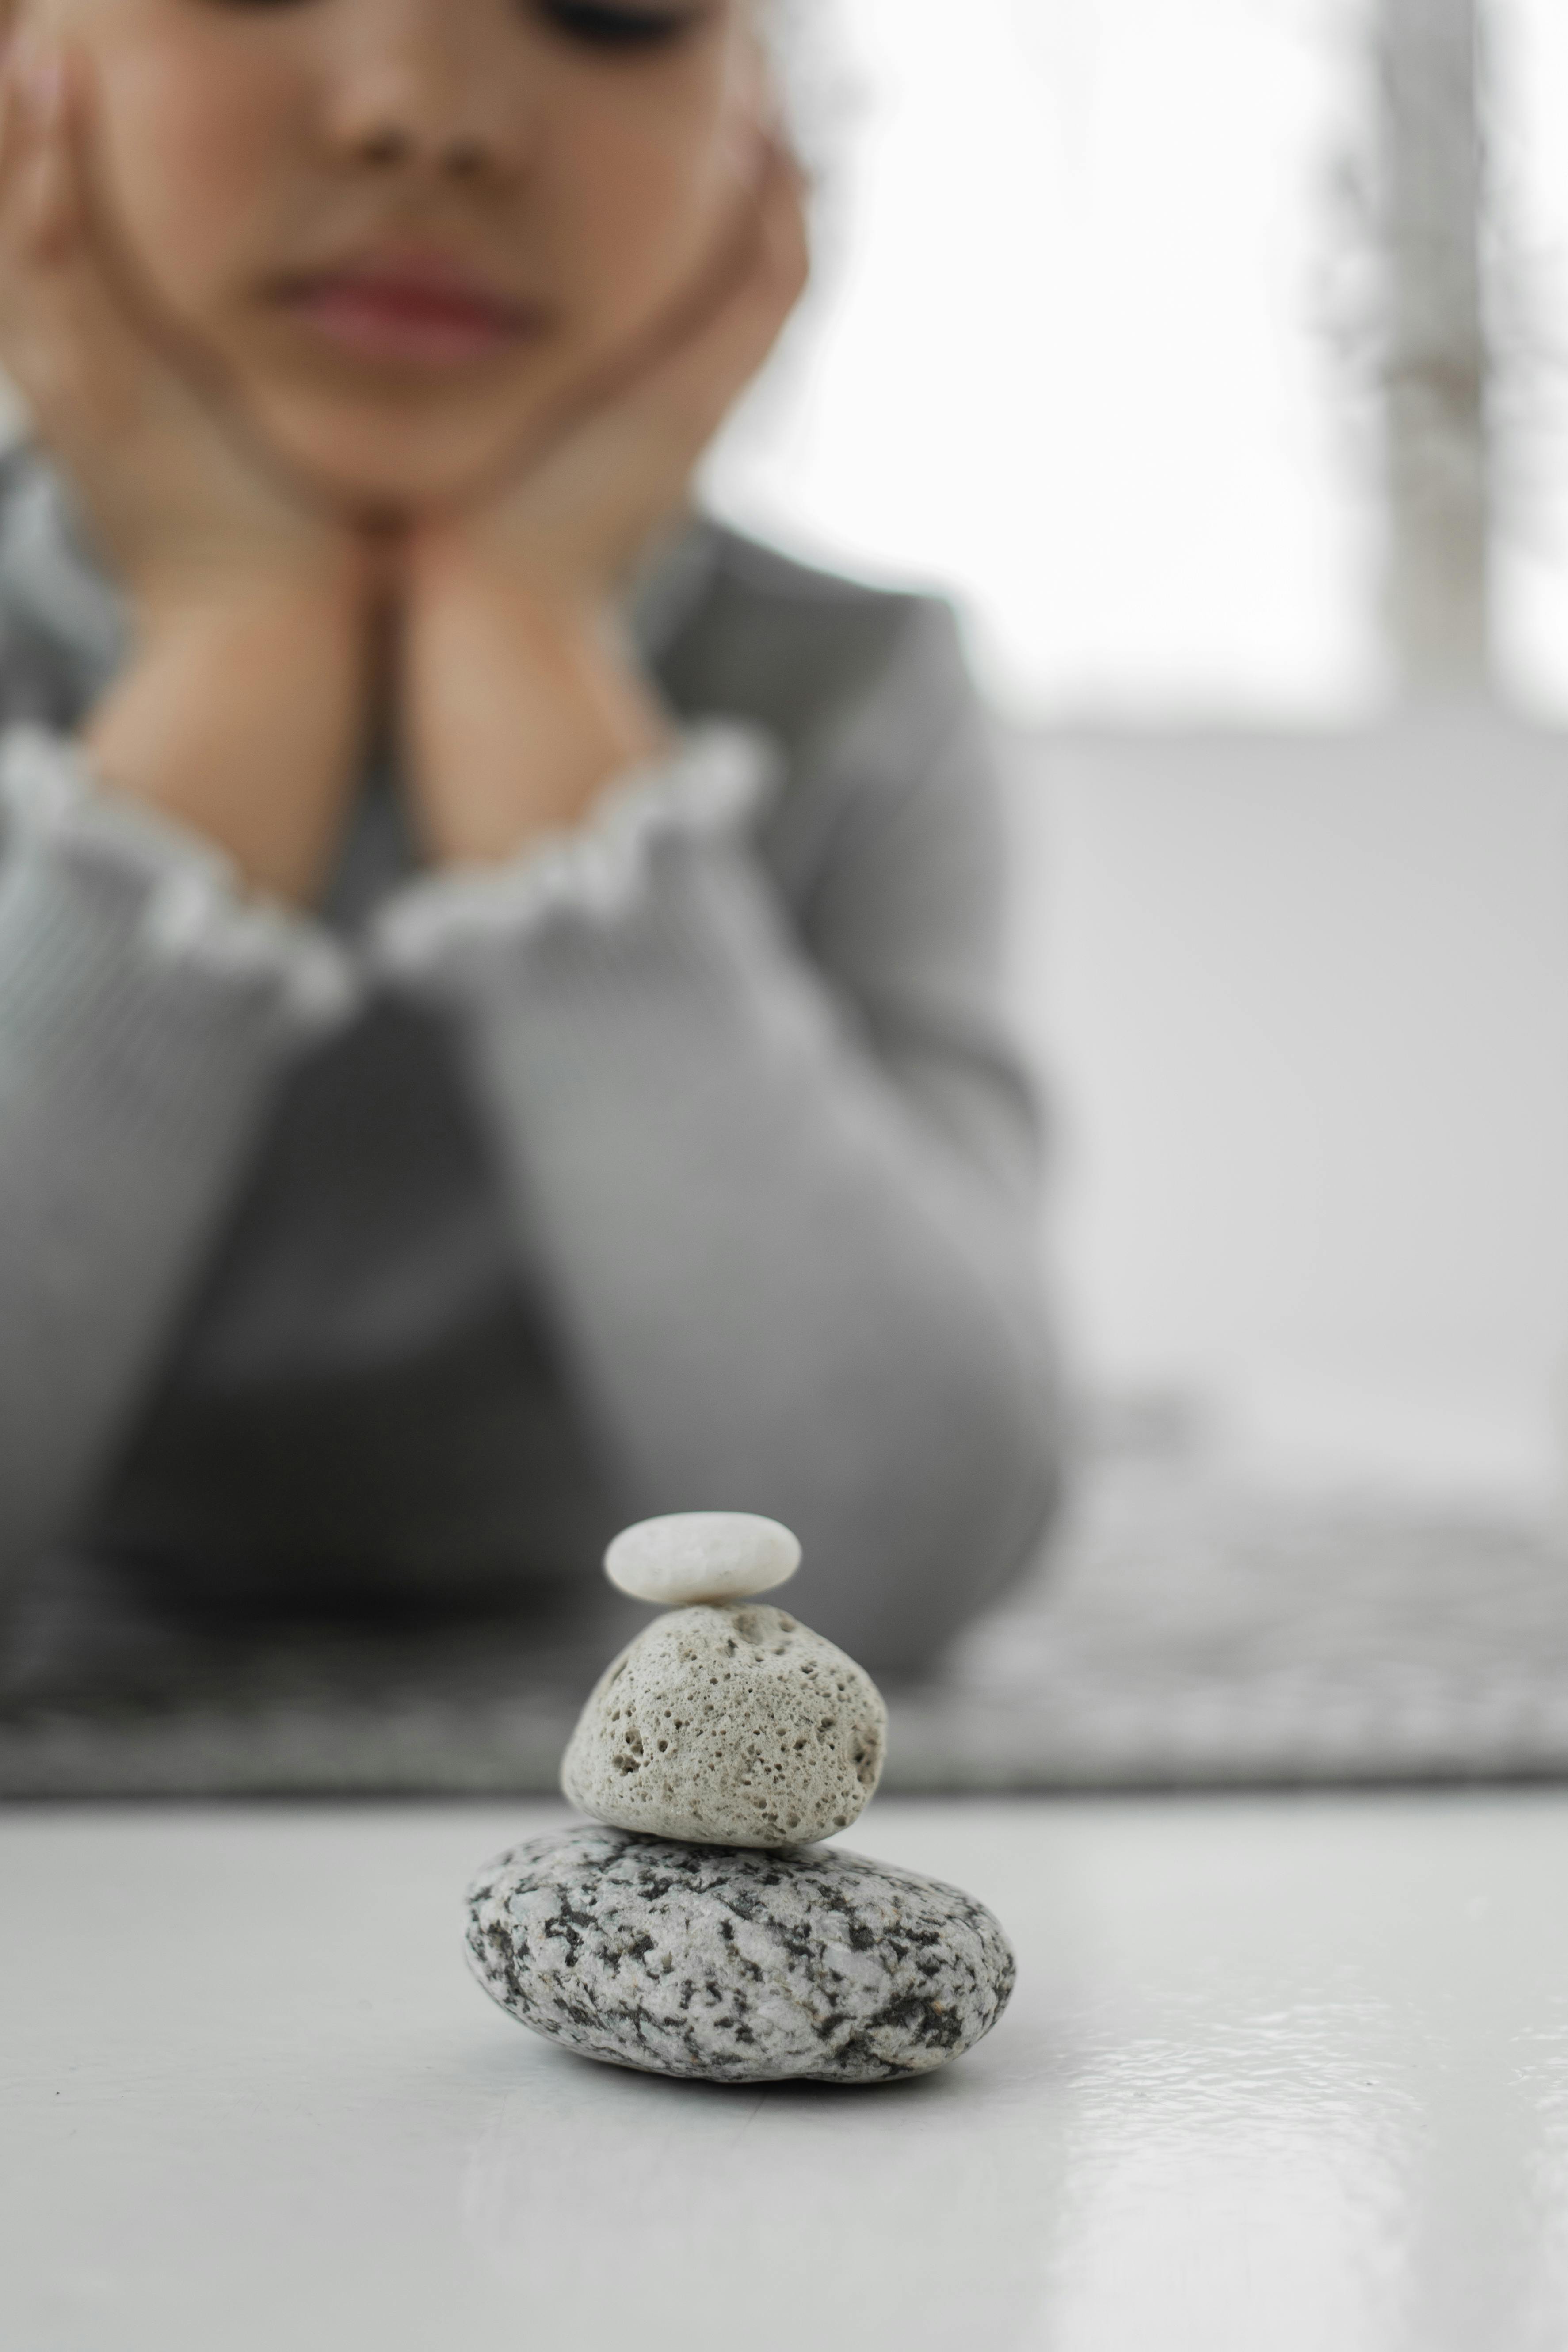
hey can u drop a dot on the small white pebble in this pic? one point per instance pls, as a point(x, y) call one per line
point(694, 1556)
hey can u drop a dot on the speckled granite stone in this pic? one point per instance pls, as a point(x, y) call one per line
point(731, 1725)
point(727, 1965)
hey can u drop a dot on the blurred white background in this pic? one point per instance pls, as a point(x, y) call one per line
point(1065, 355)
point(1530, 69)
point(1095, 343)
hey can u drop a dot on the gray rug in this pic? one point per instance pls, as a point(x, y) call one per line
point(1185, 1634)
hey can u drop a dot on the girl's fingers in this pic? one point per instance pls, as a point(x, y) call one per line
point(36, 193)
point(8, 111)
point(629, 459)
point(782, 261)
point(16, 116)
point(50, 194)
point(23, 122)
point(702, 378)
point(766, 269)
point(66, 337)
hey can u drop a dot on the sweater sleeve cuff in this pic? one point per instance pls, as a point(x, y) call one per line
point(193, 910)
point(711, 788)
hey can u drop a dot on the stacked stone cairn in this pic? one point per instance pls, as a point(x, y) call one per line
point(695, 1925)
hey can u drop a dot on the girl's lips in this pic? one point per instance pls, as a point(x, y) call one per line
point(412, 317)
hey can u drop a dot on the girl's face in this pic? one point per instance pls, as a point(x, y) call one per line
point(405, 230)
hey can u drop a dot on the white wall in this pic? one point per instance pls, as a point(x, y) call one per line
point(1304, 1004)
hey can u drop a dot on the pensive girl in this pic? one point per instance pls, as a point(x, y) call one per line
point(497, 1024)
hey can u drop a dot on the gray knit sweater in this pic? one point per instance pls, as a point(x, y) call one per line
point(410, 1247)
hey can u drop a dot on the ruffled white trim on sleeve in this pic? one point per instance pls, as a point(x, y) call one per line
point(195, 912)
point(712, 786)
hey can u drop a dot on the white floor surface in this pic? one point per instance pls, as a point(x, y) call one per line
point(1281, 2076)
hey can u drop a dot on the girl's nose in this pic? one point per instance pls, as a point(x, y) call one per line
point(387, 145)
point(410, 96)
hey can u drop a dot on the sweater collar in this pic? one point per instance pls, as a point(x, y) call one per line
point(49, 583)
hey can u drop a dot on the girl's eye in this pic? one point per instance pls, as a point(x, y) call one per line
point(602, 25)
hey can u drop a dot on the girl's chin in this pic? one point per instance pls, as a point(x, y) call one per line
point(379, 465)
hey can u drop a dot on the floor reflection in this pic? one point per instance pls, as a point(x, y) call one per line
point(1281, 2076)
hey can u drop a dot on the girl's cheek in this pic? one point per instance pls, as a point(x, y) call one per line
point(192, 160)
point(648, 203)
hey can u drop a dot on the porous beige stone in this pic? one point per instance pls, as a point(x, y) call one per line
point(728, 1725)
point(702, 1556)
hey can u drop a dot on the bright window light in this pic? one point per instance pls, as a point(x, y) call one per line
point(1069, 353)
point(1529, 77)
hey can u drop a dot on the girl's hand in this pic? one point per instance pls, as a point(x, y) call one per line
point(521, 701)
point(232, 581)
point(574, 521)
point(181, 508)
